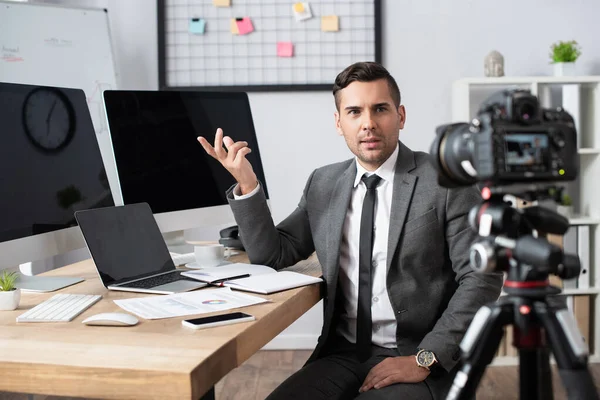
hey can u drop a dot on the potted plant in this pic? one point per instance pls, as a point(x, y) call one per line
point(563, 56)
point(10, 295)
point(565, 207)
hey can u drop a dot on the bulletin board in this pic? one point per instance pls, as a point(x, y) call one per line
point(263, 45)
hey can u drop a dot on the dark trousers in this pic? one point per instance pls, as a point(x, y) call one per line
point(339, 375)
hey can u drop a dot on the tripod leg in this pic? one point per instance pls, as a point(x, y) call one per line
point(535, 374)
point(570, 351)
point(478, 348)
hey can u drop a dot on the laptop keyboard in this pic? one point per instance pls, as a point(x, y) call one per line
point(158, 280)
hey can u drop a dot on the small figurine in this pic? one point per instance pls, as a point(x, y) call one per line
point(494, 64)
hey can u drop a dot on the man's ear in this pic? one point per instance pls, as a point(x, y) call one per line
point(338, 126)
point(402, 116)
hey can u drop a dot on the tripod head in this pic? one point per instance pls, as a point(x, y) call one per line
point(511, 240)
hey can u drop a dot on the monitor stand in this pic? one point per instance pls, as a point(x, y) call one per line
point(27, 282)
point(176, 243)
point(26, 268)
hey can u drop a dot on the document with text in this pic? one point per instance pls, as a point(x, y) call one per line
point(189, 303)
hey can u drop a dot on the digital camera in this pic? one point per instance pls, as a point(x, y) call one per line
point(511, 140)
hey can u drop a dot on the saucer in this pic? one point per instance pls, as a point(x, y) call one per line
point(195, 265)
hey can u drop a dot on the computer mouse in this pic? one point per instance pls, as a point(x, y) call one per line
point(111, 319)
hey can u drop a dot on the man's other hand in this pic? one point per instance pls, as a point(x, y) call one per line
point(394, 370)
point(233, 158)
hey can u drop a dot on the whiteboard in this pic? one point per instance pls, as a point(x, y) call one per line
point(65, 47)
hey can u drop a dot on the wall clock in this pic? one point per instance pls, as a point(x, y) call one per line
point(48, 119)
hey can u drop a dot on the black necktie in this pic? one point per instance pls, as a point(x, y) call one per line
point(363, 318)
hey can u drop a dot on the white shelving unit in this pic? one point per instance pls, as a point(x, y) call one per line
point(580, 96)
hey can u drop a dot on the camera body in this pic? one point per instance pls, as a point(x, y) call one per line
point(512, 140)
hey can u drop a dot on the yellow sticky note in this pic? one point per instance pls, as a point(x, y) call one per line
point(330, 23)
point(222, 3)
point(234, 27)
point(302, 11)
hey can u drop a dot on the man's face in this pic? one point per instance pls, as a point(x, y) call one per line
point(369, 121)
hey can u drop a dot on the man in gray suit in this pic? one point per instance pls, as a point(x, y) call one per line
point(422, 293)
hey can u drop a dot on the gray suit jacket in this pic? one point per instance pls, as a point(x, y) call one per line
point(433, 290)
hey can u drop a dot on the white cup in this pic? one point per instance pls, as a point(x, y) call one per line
point(209, 255)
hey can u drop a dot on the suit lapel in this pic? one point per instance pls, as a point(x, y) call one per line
point(338, 207)
point(404, 186)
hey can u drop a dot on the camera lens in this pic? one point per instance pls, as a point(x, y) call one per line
point(452, 152)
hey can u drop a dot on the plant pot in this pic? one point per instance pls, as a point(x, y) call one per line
point(10, 300)
point(565, 211)
point(564, 69)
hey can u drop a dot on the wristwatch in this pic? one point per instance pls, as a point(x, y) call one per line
point(426, 359)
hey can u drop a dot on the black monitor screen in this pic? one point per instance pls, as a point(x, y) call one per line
point(159, 160)
point(50, 160)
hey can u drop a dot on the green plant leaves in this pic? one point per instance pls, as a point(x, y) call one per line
point(7, 280)
point(567, 51)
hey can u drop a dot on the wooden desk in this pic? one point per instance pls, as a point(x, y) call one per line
point(156, 359)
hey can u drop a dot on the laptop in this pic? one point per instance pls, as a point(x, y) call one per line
point(129, 251)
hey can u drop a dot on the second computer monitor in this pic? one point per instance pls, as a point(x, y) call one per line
point(51, 167)
point(159, 160)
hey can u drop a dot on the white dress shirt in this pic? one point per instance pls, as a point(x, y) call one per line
point(382, 313)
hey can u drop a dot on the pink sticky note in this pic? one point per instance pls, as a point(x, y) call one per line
point(285, 49)
point(244, 25)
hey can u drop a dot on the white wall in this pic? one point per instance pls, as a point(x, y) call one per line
point(427, 45)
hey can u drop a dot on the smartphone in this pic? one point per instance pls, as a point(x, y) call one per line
point(217, 320)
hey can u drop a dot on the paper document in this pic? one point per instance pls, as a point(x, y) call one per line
point(189, 303)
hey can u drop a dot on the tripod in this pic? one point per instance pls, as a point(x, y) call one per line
point(540, 326)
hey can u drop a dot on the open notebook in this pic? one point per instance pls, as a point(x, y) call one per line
point(252, 278)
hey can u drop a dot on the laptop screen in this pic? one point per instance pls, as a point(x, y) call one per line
point(125, 242)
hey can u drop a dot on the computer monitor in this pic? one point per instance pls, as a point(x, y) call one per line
point(160, 162)
point(51, 167)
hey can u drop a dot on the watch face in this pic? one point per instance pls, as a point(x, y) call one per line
point(48, 119)
point(426, 358)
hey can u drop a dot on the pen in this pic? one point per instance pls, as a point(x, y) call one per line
point(228, 279)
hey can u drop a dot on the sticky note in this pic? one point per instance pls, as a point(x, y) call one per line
point(244, 25)
point(222, 3)
point(302, 11)
point(234, 27)
point(197, 26)
point(330, 23)
point(285, 49)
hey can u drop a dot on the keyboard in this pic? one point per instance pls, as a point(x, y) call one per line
point(60, 308)
point(158, 280)
point(182, 259)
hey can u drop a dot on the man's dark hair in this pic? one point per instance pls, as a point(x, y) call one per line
point(365, 72)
